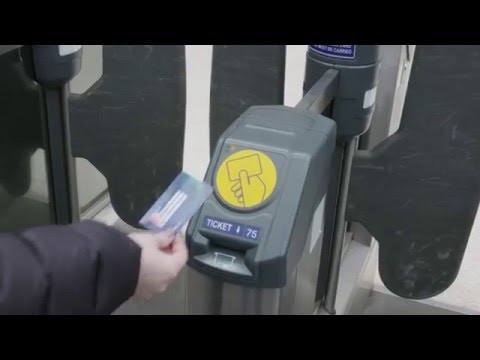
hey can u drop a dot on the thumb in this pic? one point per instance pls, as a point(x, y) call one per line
point(244, 178)
point(163, 240)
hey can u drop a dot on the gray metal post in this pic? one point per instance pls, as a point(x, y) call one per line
point(54, 67)
point(352, 110)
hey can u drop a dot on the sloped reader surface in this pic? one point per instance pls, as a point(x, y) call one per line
point(131, 124)
point(418, 192)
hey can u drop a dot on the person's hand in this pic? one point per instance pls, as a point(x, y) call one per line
point(163, 257)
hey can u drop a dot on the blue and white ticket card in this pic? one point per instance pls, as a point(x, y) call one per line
point(177, 205)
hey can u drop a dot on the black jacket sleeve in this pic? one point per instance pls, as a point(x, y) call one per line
point(86, 268)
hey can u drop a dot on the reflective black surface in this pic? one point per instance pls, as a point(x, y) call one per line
point(418, 191)
point(131, 123)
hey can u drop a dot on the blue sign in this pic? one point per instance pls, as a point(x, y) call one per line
point(336, 51)
point(231, 228)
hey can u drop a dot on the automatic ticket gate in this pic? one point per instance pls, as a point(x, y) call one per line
point(289, 182)
point(271, 173)
point(260, 231)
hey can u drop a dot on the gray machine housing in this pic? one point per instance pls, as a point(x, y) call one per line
point(301, 145)
point(358, 82)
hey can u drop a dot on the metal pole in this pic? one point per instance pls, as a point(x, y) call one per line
point(351, 109)
point(54, 67)
point(340, 227)
point(61, 163)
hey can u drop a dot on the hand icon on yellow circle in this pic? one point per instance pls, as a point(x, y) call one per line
point(246, 179)
point(249, 191)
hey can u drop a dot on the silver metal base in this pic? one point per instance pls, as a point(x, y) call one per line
point(206, 296)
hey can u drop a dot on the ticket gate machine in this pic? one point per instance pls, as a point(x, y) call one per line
point(270, 172)
point(260, 235)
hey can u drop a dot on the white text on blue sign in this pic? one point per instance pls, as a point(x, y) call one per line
point(336, 51)
point(231, 228)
